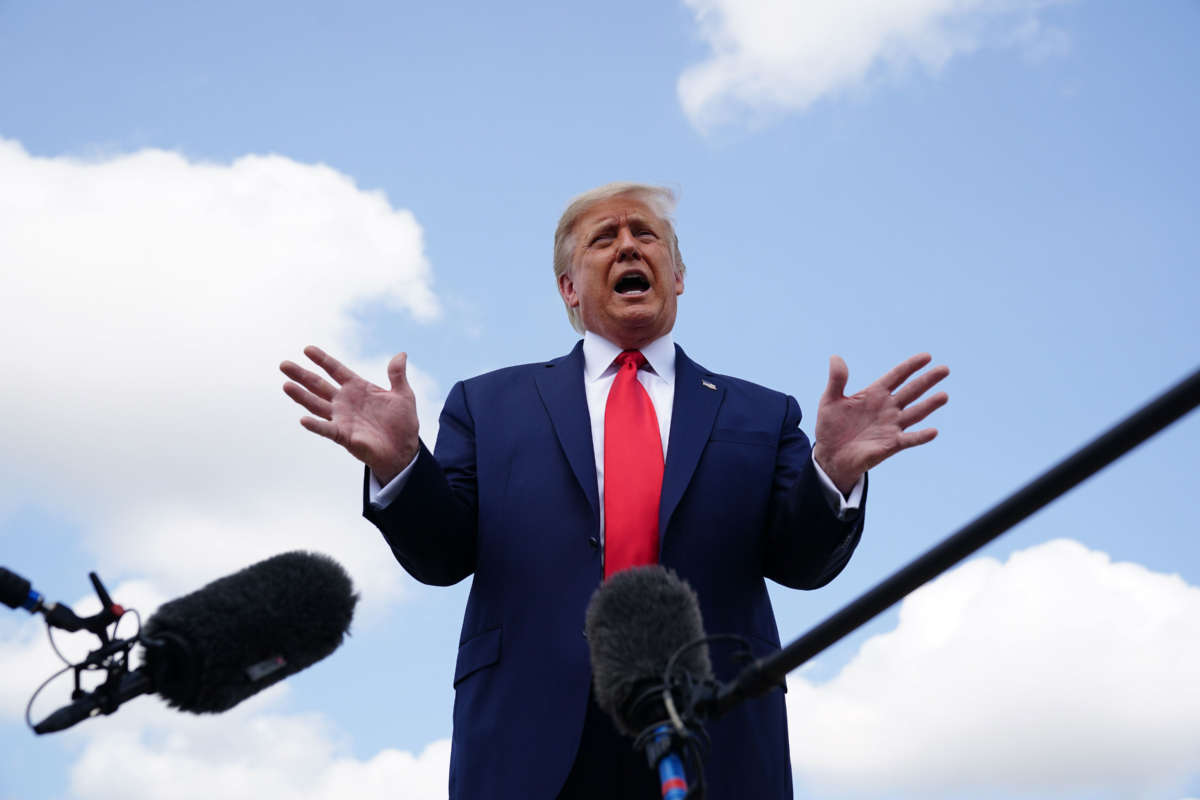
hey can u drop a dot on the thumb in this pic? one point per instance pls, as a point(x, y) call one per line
point(397, 371)
point(839, 373)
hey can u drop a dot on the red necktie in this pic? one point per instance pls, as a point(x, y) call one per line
point(633, 470)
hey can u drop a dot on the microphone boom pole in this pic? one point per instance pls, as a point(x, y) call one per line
point(768, 673)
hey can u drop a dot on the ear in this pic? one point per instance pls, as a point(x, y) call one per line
point(566, 287)
point(678, 283)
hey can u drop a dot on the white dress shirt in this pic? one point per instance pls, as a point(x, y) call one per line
point(658, 378)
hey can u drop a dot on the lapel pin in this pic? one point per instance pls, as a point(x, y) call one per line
point(708, 385)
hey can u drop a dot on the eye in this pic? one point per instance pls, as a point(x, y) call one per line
point(604, 234)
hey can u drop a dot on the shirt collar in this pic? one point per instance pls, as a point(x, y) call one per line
point(599, 353)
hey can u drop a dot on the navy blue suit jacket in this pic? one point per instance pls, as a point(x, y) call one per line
point(511, 498)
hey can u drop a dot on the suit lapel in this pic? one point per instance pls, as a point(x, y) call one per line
point(697, 397)
point(560, 385)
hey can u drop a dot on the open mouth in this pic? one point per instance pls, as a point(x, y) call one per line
point(632, 283)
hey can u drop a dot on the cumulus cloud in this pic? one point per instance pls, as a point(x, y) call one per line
point(145, 303)
point(1058, 670)
point(266, 756)
point(249, 752)
point(770, 56)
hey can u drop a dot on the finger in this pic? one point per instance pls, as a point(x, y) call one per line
point(920, 385)
point(309, 380)
point(398, 371)
point(916, 438)
point(900, 373)
point(839, 373)
point(320, 427)
point(336, 369)
point(911, 416)
point(322, 408)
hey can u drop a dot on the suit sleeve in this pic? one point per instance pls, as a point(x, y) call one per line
point(431, 525)
point(806, 544)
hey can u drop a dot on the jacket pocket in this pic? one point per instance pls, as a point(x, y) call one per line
point(481, 650)
point(762, 647)
point(744, 437)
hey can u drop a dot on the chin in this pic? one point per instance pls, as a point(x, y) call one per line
point(636, 322)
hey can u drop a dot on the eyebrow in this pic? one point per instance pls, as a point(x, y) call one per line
point(611, 222)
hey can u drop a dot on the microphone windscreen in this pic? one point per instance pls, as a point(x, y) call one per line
point(213, 648)
point(636, 620)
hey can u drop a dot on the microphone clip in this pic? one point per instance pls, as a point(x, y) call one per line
point(111, 657)
point(62, 617)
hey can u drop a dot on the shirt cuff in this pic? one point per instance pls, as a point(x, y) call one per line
point(841, 505)
point(382, 496)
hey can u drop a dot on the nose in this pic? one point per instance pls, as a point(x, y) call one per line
point(627, 245)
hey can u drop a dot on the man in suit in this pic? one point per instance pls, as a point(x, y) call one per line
point(547, 477)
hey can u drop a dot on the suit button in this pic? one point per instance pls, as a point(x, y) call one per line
point(594, 543)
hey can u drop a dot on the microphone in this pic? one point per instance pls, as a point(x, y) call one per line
point(17, 592)
point(639, 622)
point(207, 651)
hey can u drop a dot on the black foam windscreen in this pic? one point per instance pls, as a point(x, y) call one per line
point(636, 620)
point(209, 650)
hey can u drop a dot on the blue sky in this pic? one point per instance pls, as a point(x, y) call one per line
point(189, 195)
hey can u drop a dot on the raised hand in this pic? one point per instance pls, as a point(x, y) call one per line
point(856, 432)
point(378, 426)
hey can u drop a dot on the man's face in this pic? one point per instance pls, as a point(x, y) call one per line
point(622, 277)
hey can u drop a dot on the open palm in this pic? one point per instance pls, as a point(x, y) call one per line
point(378, 426)
point(856, 432)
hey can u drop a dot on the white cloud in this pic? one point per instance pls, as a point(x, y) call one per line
point(25, 661)
point(1058, 670)
point(779, 55)
point(145, 303)
point(248, 752)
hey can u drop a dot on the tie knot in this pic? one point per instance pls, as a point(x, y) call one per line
point(631, 357)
